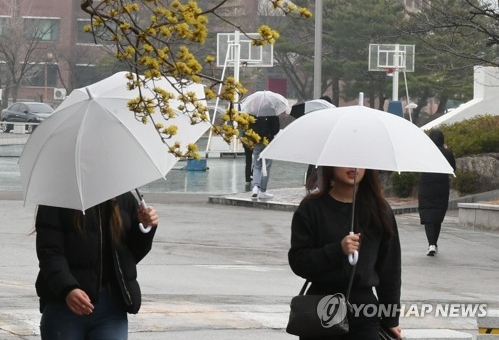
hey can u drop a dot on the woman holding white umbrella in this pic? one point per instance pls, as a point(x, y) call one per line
point(321, 241)
point(88, 277)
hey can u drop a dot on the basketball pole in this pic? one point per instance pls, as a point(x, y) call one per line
point(395, 83)
point(318, 50)
point(237, 63)
point(233, 50)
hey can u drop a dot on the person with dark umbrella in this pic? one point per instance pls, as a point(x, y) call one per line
point(433, 196)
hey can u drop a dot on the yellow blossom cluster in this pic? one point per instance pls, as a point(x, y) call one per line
point(290, 8)
point(153, 37)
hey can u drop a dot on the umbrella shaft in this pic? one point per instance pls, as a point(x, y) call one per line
point(353, 199)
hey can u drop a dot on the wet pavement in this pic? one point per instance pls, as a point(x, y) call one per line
point(220, 272)
point(223, 175)
point(218, 268)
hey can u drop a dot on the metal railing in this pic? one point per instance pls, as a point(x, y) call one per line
point(12, 142)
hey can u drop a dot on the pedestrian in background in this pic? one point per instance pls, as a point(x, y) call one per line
point(248, 165)
point(88, 277)
point(266, 127)
point(321, 243)
point(433, 196)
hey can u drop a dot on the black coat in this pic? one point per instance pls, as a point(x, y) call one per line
point(317, 228)
point(70, 259)
point(433, 196)
point(266, 126)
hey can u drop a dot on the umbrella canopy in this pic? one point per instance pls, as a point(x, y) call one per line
point(358, 137)
point(93, 148)
point(300, 109)
point(265, 104)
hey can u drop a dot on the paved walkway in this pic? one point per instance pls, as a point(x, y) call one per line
point(221, 273)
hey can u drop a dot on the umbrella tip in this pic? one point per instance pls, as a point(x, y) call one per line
point(90, 95)
point(361, 98)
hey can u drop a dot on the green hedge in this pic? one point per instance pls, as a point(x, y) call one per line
point(465, 182)
point(473, 136)
point(404, 183)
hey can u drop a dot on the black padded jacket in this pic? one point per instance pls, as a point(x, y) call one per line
point(70, 259)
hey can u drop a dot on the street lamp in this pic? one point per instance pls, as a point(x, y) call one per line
point(49, 57)
point(318, 50)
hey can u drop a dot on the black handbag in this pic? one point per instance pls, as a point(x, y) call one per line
point(317, 315)
point(320, 315)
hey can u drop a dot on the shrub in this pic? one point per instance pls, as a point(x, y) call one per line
point(466, 182)
point(404, 183)
point(473, 136)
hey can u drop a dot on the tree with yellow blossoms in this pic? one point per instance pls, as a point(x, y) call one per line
point(153, 38)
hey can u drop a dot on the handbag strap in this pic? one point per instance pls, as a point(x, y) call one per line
point(349, 288)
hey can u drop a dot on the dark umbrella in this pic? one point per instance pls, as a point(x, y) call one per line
point(300, 109)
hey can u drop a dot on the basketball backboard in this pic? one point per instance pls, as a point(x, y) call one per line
point(391, 56)
point(249, 55)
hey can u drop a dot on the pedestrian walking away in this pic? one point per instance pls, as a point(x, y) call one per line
point(265, 106)
point(87, 281)
point(433, 196)
point(321, 243)
point(267, 128)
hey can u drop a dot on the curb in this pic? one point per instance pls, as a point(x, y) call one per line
point(249, 203)
point(288, 199)
point(284, 206)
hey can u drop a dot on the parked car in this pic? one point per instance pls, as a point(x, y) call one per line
point(25, 112)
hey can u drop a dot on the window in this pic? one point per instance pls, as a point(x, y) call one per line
point(101, 36)
point(16, 107)
point(46, 29)
point(83, 37)
point(4, 25)
point(36, 76)
point(85, 75)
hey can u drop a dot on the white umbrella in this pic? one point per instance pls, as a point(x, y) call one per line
point(93, 148)
point(357, 137)
point(265, 104)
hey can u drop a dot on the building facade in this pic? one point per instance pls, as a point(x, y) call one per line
point(44, 53)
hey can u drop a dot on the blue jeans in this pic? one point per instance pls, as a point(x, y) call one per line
point(108, 321)
point(258, 179)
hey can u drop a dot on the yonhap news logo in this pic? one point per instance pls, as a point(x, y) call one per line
point(331, 311)
point(420, 310)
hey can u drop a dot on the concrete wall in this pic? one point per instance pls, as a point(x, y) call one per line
point(479, 216)
point(485, 99)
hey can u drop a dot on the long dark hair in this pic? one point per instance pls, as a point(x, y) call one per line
point(371, 206)
point(110, 215)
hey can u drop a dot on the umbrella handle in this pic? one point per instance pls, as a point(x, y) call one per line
point(354, 257)
point(141, 226)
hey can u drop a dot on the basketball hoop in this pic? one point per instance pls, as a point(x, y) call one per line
point(389, 71)
point(392, 58)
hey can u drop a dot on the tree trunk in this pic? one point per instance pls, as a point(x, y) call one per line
point(422, 102)
point(442, 104)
